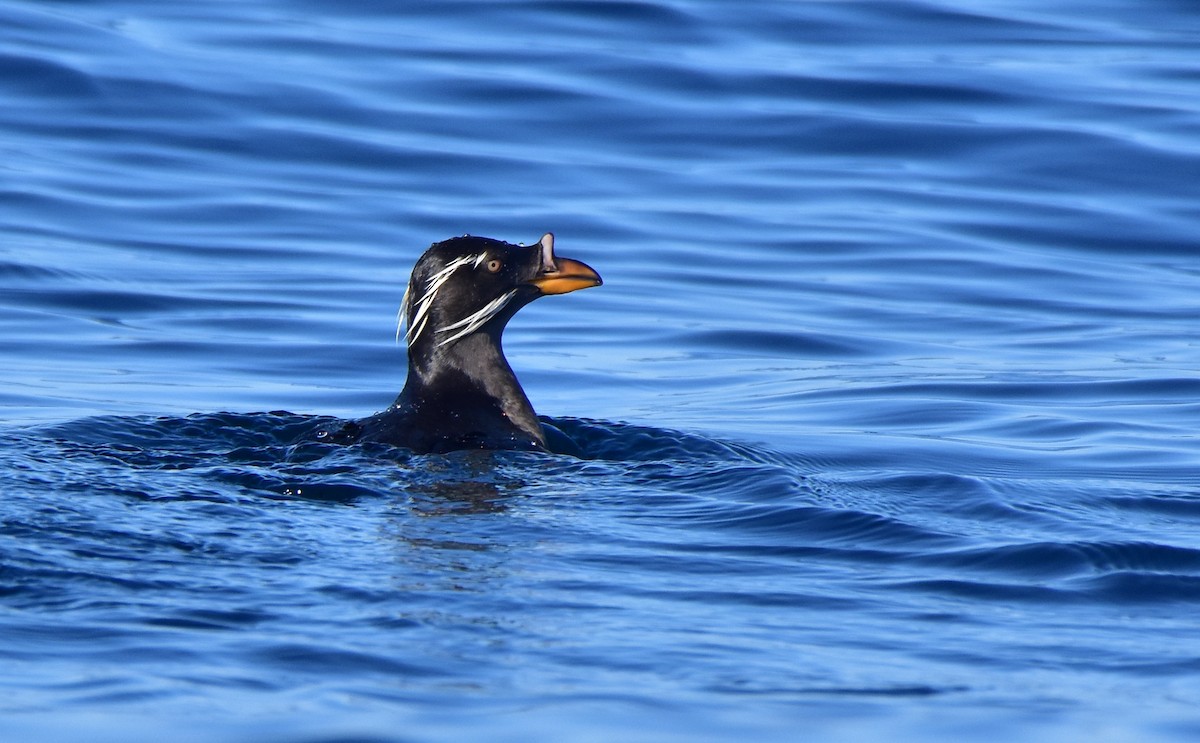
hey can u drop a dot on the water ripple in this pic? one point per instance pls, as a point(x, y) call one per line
point(889, 398)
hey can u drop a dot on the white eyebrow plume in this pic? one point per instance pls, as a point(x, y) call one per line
point(476, 320)
point(418, 320)
point(402, 314)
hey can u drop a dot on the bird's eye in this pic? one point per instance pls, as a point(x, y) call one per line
point(495, 265)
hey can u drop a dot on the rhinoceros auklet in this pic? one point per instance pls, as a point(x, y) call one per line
point(460, 392)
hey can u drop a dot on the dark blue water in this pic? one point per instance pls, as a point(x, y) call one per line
point(888, 405)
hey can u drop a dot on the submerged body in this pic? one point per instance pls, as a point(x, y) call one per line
point(461, 392)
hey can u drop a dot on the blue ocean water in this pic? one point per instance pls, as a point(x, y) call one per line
point(888, 405)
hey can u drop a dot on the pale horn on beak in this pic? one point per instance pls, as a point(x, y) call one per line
point(562, 275)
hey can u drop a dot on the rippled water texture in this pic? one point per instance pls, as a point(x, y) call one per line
point(887, 409)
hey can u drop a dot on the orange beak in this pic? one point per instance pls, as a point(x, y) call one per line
point(562, 275)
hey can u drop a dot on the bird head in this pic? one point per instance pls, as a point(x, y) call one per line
point(468, 285)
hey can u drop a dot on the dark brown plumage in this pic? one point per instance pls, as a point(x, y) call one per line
point(461, 392)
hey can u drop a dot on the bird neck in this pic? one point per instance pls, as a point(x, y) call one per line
point(469, 383)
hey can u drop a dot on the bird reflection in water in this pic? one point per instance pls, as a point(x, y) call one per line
point(470, 482)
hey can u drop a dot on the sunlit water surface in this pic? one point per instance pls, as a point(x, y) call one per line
point(888, 406)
